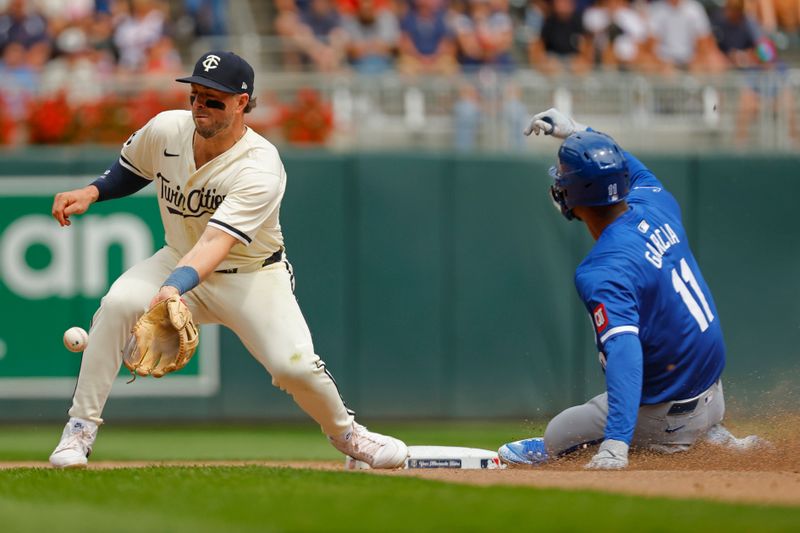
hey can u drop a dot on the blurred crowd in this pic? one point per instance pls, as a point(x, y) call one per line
point(552, 36)
point(40, 39)
point(75, 49)
point(79, 44)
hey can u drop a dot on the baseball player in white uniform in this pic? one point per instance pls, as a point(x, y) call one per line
point(219, 187)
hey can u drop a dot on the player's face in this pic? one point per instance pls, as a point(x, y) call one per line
point(212, 110)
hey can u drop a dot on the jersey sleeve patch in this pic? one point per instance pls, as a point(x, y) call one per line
point(600, 318)
point(610, 300)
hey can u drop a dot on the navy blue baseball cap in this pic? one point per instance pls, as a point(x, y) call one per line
point(223, 71)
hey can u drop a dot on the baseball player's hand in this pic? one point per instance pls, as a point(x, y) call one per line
point(553, 122)
point(612, 455)
point(74, 202)
point(164, 293)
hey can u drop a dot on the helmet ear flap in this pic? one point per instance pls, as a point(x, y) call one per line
point(558, 196)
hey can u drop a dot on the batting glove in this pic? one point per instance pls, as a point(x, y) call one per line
point(612, 455)
point(553, 122)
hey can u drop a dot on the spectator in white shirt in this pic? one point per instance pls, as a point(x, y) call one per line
point(681, 38)
point(617, 31)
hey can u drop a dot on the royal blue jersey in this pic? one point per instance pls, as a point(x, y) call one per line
point(641, 279)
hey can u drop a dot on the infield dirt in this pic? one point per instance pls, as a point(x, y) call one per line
point(764, 475)
point(760, 476)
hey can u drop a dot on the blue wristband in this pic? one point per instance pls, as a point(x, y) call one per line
point(183, 278)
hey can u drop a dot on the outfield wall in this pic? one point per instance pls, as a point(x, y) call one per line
point(434, 285)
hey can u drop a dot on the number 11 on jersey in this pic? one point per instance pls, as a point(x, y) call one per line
point(703, 316)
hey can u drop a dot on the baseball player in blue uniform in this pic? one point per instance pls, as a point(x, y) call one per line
point(656, 325)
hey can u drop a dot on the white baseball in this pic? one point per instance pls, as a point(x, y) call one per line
point(76, 339)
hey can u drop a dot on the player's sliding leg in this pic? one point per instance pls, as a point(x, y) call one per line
point(262, 310)
point(570, 430)
point(719, 435)
point(524, 452)
point(665, 427)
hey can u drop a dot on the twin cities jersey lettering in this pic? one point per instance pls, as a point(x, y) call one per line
point(642, 279)
point(196, 203)
point(238, 192)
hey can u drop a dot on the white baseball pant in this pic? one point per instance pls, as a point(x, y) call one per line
point(259, 307)
point(665, 427)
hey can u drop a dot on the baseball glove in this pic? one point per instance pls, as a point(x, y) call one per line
point(163, 340)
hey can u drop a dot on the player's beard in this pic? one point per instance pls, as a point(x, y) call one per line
point(216, 126)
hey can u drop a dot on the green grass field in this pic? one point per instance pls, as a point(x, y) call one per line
point(254, 498)
point(231, 442)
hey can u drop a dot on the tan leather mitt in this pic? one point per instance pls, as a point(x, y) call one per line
point(163, 340)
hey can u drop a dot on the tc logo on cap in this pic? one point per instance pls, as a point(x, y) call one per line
point(211, 62)
point(222, 71)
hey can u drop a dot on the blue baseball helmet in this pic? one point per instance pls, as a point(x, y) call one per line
point(591, 171)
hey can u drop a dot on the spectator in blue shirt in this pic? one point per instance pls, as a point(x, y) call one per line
point(372, 37)
point(22, 24)
point(320, 36)
point(426, 44)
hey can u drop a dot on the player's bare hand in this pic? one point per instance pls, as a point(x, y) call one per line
point(553, 122)
point(612, 455)
point(164, 293)
point(74, 202)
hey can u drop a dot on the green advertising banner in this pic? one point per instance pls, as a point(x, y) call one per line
point(434, 286)
point(52, 278)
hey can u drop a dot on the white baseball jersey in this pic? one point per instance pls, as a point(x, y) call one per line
point(238, 192)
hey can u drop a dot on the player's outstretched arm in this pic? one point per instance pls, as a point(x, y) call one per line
point(116, 182)
point(641, 176)
point(553, 122)
point(74, 202)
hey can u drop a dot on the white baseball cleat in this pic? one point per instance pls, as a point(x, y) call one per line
point(76, 444)
point(719, 435)
point(378, 451)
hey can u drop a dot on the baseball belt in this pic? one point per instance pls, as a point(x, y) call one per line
point(687, 406)
point(271, 260)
